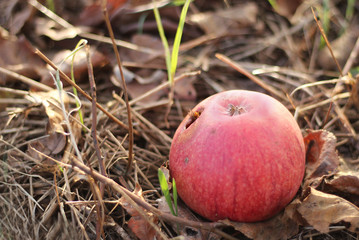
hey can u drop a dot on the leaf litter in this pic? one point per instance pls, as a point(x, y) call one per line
point(48, 197)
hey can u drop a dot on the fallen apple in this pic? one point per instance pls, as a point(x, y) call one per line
point(238, 155)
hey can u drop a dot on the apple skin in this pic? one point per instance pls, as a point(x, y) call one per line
point(238, 155)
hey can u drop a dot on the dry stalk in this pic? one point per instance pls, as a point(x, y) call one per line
point(94, 115)
point(70, 82)
point(124, 86)
point(258, 81)
point(326, 41)
point(98, 193)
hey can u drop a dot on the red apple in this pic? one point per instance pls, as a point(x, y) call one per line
point(238, 155)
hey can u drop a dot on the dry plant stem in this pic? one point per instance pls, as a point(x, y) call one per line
point(70, 82)
point(251, 76)
point(326, 41)
point(128, 194)
point(339, 111)
point(94, 117)
point(117, 54)
point(87, 35)
point(163, 86)
point(26, 80)
point(352, 58)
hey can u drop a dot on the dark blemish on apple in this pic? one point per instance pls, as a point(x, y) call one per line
point(186, 160)
point(235, 110)
point(193, 116)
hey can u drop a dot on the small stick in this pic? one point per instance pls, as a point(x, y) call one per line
point(240, 69)
point(128, 107)
point(326, 41)
point(70, 82)
point(94, 116)
point(26, 80)
point(210, 226)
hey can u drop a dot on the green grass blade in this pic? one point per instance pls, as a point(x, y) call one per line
point(79, 45)
point(164, 40)
point(350, 9)
point(273, 3)
point(164, 188)
point(175, 196)
point(177, 40)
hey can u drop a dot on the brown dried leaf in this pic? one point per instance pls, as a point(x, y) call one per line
point(140, 226)
point(18, 55)
point(80, 65)
point(148, 41)
point(321, 210)
point(187, 232)
point(14, 14)
point(287, 8)
point(279, 227)
point(345, 181)
point(228, 20)
point(321, 158)
point(92, 15)
point(56, 140)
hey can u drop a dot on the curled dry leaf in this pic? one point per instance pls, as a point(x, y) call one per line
point(321, 210)
point(138, 225)
point(345, 181)
point(280, 226)
point(56, 139)
point(321, 157)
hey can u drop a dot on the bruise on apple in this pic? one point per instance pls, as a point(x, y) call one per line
point(193, 116)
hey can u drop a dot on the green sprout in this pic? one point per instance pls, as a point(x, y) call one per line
point(78, 47)
point(166, 192)
point(172, 59)
point(273, 3)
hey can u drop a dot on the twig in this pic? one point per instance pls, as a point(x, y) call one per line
point(70, 82)
point(352, 58)
point(326, 41)
point(117, 54)
point(210, 226)
point(163, 86)
point(258, 81)
point(26, 80)
point(81, 33)
point(94, 116)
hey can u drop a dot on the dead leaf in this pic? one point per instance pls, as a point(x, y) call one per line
point(322, 158)
point(56, 140)
point(287, 8)
point(188, 232)
point(280, 226)
point(347, 182)
point(51, 29)
point(321, 210)
point(147, 41)
point(92, 15)
point(14, 14)
point(98, 60)
point(17, 54)
point(228, 20)
point(140, 226)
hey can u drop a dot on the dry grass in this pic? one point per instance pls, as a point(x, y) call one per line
point(48, 196)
